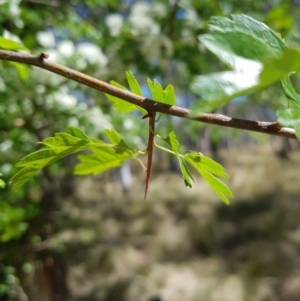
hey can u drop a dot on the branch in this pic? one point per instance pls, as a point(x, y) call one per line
point(52, 3)
point(271, 128)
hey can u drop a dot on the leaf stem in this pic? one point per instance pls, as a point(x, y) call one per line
point(164, 149)
point(141, 163)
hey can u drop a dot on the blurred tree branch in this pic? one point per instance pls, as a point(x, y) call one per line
point(51, 3)
point(41, 61)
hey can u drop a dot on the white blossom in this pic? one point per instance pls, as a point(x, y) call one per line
point(159, 10)
point(66, 48)
point(140, 21)
point(92, 53)
point(114, 23)
point(46, 38)
point(61, 98)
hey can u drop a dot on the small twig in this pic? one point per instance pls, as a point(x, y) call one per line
point(172, 17)
point(271, 128)
point(45, 2)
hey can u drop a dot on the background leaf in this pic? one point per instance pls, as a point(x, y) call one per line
point(23, 70)
point(258, 56)
point(290, 92)
point(2, 183)
point(290, 118)
point(8, 44)
point(282, 66)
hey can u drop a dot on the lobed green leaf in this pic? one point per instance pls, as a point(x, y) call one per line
point(280, 67)
point(61, 141)
point(23, 176)
point(257, 54)
point(75, 132)
point(119, 104)
point(116, 140)
point(166, 96)
point(218, 186)
point(133, 83)
point(290, 92)
point(101, 160)
point(247, 25)
point(209, 169)
point(186, 173)
point(197, 160)
point(64, 144)
point(8, 44)
point(172, 141)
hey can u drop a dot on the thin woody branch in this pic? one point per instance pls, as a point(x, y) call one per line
point(271, 128)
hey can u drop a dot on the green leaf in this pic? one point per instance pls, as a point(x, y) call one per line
point(114, 137)
point(172, 141)
point(197, 160)
point(166, 96)
point(282, 66)
point(243, 30)
point(290, 92)
point(133, 84)
point(64, 144)
point(22, 70)
point(290, 118)
point(62, 141)
point(121, 105)
point(10, 44)
point(218, 88)
point(23, 176)
point(258, 56)
point(101, 160)
point(2, 183)
point(186, 174)
point(237, 43)
point(209, 169)
point(260, 30)
point(75, 132)
point(170, 97)
point(156, 90)
point(38, 159)
point(222, 190)
point(120, 145)
point(60, 146)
